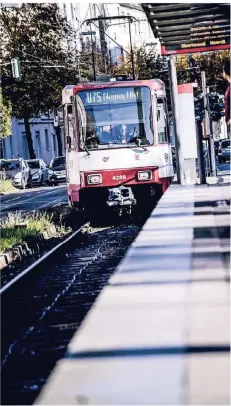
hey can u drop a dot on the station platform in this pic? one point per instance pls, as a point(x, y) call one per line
point(158, 334)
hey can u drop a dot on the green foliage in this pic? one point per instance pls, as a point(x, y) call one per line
point(36, 224)
point(211, 63)
point(85, 60)
point(36, 33)
point(150, 65)
point(5, 117)
point(43, 41)
point(11, 236)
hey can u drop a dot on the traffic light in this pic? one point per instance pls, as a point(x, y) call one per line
point(16, 68)
point(222, 105)
point(191, 61)
point(215, 106)
point(199, 108)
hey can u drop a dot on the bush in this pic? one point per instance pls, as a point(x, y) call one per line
point(36, 223)
point(7, 187)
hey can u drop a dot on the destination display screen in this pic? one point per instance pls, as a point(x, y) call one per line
point(115, 95)
point(201, 38)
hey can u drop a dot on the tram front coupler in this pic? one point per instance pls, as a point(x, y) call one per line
point(121, 196)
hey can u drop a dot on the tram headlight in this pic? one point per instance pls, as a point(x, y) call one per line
point(144, 175)
point(94, 179)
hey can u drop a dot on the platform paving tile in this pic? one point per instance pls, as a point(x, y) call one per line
point(209, 325)
point(210, 292)
point(205, 221)
point(149, 276)
point(162, 262)
point(143, 295)
point(116, 381)
point(208, 380)
point(142, 327)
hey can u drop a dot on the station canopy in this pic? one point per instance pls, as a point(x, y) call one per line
point(185, 28)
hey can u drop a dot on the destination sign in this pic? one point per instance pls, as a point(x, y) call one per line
point(115, 95)
point(206, 37)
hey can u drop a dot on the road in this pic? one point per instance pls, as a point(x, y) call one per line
point(223, 169)
point(48, 197)
point(34, 199)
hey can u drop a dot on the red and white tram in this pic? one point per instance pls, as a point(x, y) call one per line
point(118, 152)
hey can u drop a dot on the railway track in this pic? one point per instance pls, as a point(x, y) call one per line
point(45, 306)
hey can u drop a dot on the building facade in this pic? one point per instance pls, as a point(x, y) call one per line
point(114, 34)
point(43, 135)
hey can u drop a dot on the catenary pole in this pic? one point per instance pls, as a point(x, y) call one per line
point(208, 126)
point(175, 114)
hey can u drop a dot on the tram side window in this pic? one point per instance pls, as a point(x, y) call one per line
point(162, 123)
point(70, 136)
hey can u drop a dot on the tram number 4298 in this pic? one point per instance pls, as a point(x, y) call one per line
point(119, 177)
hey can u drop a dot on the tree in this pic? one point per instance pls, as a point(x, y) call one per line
point(211, 63)
point(149, 64)
point(89, 49)
point(42, 39)
point(5, 118)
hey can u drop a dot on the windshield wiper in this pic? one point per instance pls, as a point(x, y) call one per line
point(138, 143)
point(86, 149)
point(137, 140)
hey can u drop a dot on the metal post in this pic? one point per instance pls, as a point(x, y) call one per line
point(200, 152)
point(132, 55)
point(174, 102)
point(93, 56)
point(208, 126)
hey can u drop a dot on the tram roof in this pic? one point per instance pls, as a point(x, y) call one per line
point(154, 83)
point(189, 27)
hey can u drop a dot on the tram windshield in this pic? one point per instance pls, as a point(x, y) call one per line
point(115, 117)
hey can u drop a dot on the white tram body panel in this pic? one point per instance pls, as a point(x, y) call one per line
point(159, 155)
point(109, 172)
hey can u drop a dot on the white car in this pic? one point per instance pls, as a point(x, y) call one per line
point(39, 171)
point(17, 170)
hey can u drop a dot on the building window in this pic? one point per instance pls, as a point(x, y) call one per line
point(65, 9)
point(72, 12)
point(54, 144)
point(47, 140)
point(38, 144)
point(25, 146)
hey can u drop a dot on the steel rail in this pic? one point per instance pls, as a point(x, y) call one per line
point(43, 258)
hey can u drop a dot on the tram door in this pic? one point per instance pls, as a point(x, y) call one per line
point(71, 150)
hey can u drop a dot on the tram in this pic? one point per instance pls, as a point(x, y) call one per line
point(118, 151)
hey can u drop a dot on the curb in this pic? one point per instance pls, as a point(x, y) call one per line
point(30, 246)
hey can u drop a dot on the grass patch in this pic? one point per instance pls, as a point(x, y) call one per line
point(7, 187)
point(37, 223)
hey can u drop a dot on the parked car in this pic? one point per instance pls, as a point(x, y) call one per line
point(39, 171)
point(18, 171)
point(57, 171)
point(216, 147)
point(224, 151)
